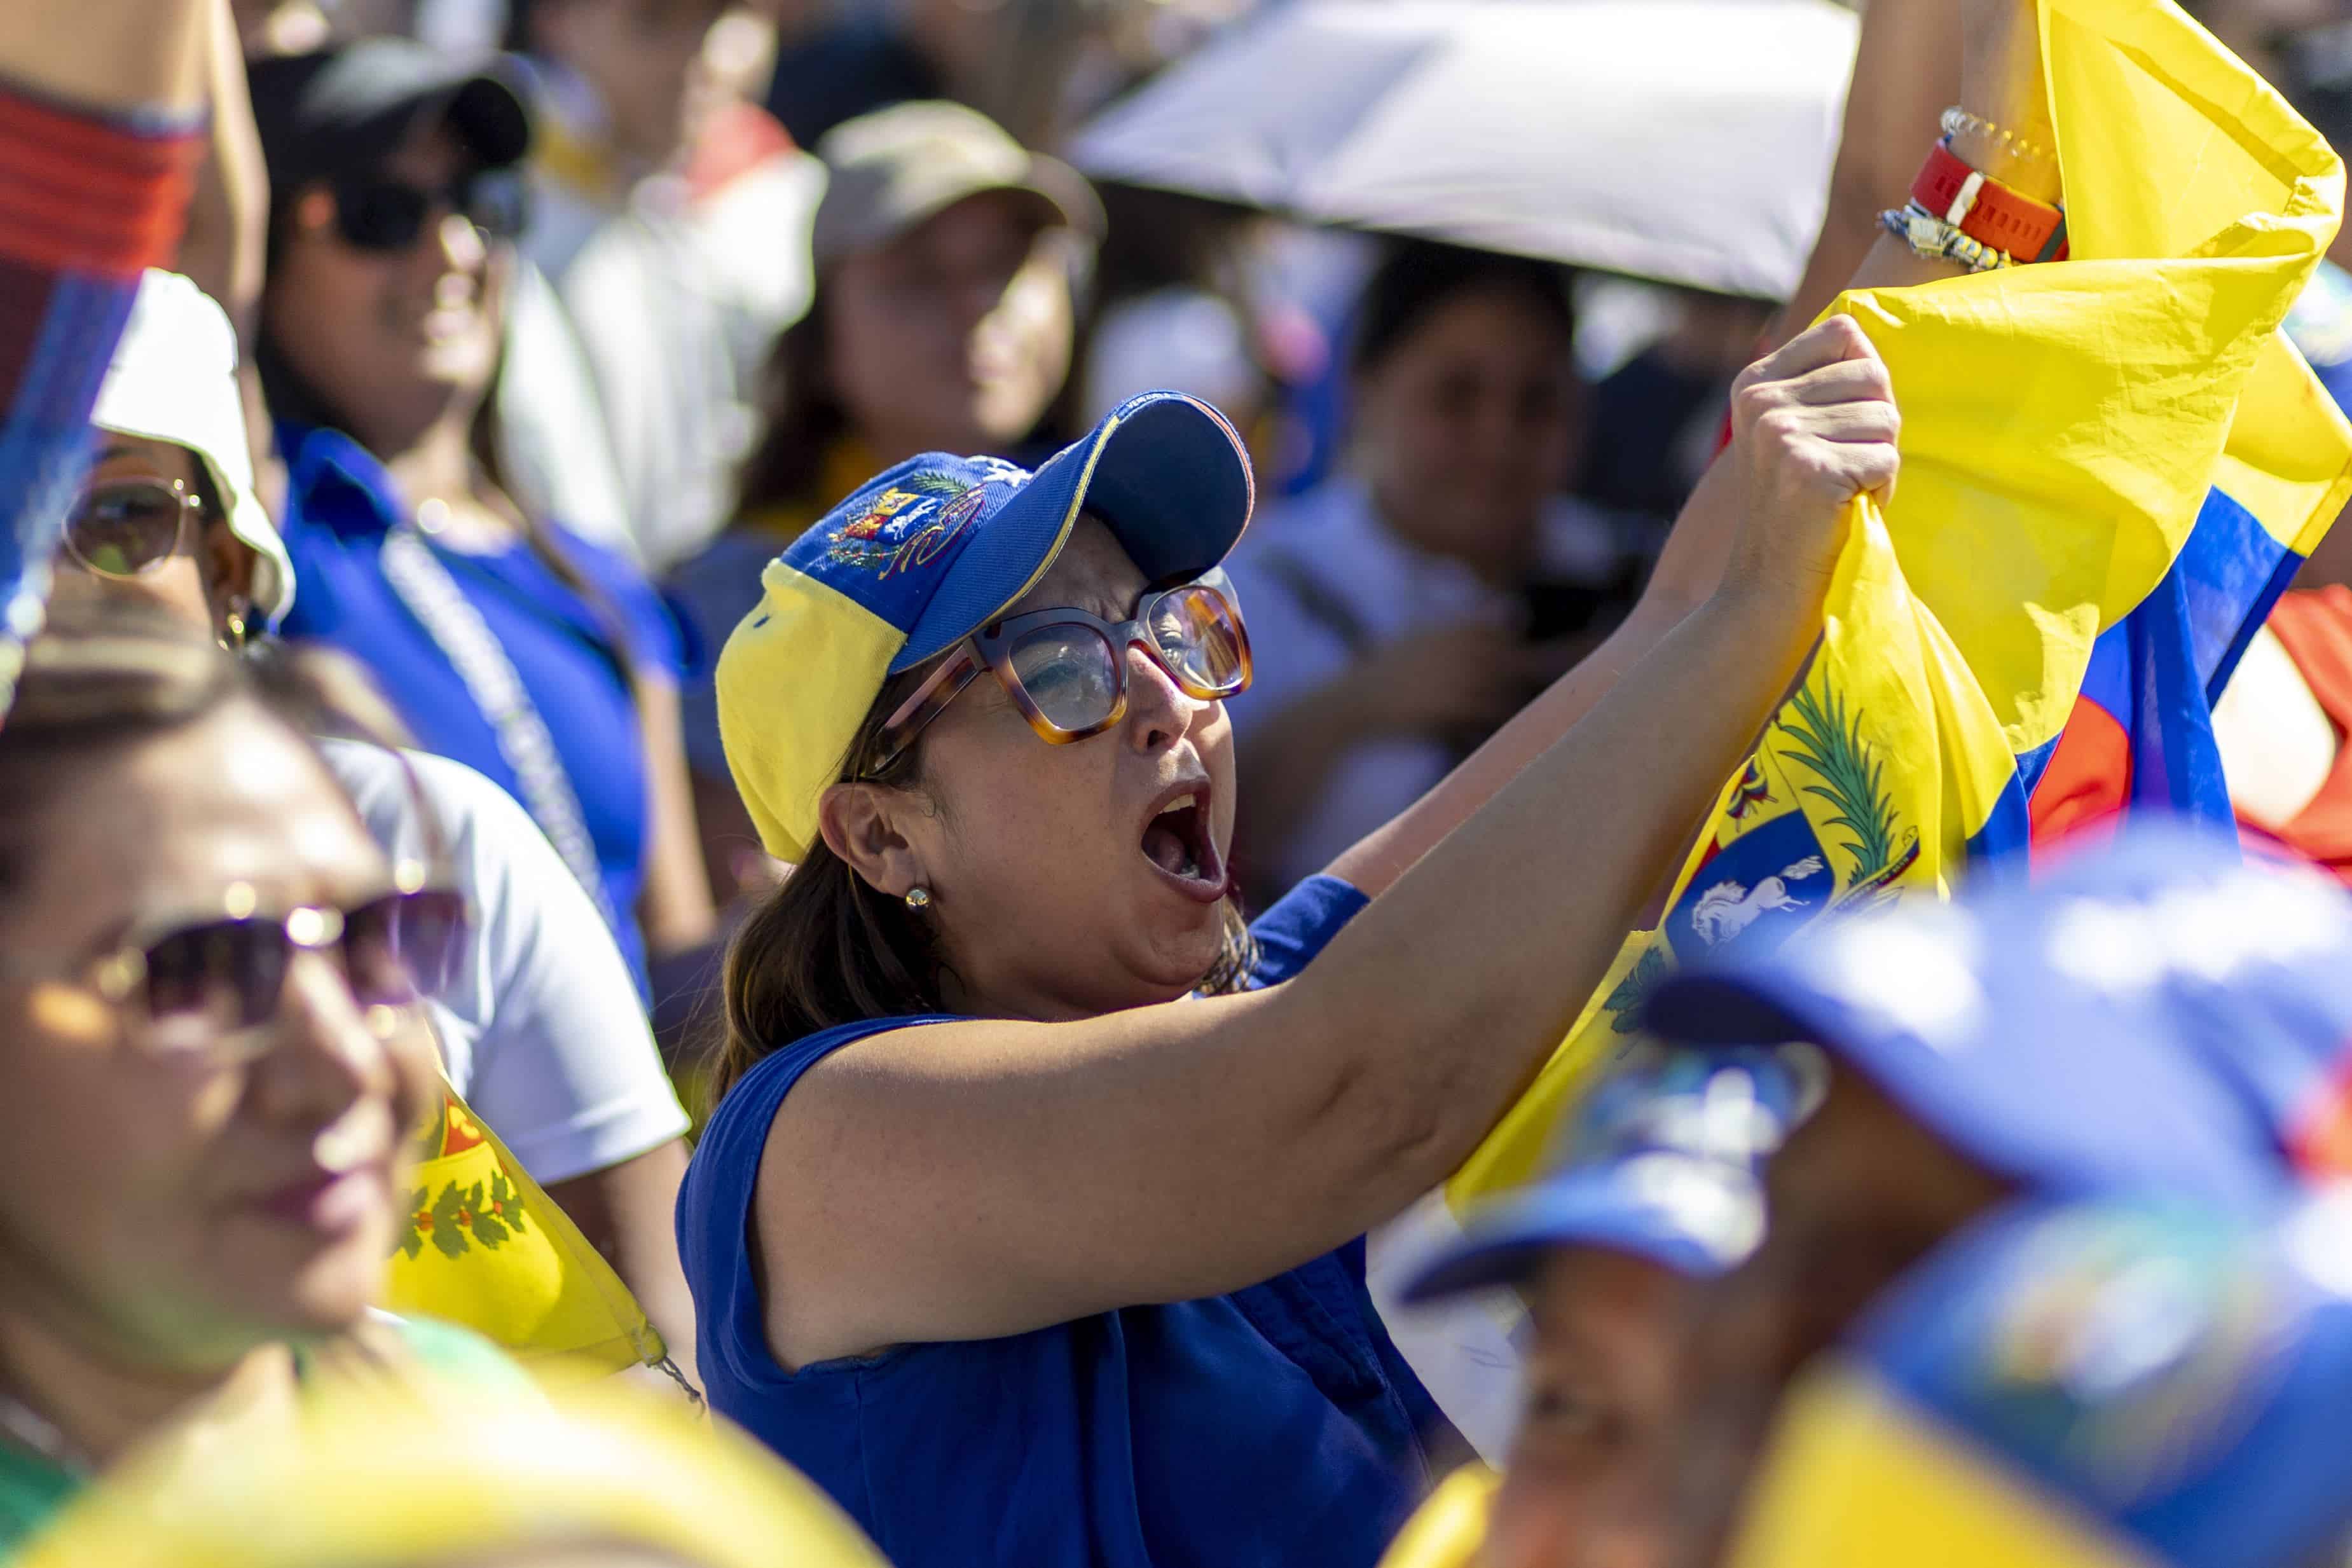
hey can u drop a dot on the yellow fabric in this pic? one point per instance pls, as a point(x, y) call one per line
point(2061, 425)
point(1889, 756)
point(1850, 1480)
point(585, 167)
point(1449, 1528)
point(794, 682)
point(485, 1246)
point(369, 1481)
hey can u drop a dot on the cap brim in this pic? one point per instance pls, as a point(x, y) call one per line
point(1165, 471)
point(1505, 1245)
point(2011, 1091)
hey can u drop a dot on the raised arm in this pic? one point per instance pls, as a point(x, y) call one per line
point(982, 1178)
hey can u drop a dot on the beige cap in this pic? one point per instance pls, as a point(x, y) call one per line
point(888, 170)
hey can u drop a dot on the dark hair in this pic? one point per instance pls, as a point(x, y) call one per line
point(803, 419)
point(827, 949)
point(1417, 275)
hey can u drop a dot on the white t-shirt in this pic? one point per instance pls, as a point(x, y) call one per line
point(541, 1030)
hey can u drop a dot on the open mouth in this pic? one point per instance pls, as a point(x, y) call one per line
point(1177, 843)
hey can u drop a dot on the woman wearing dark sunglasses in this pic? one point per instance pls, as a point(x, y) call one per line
point(207, 980)
point(1029, 1222)
point(503, 639)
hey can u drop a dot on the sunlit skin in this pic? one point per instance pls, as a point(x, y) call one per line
point(174, 1213)
point(212, 568)
point(1584, 1485)
point(1467, 423)
point(1045, 903)
point(1859, 1193)
point(390, 339)
point(956, 336)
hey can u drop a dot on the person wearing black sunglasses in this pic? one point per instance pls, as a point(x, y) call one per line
point(503, 639)
point(208, 984)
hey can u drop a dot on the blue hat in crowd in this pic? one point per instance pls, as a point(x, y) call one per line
point(925, 554)
point(1662, 1165)
point(2159, 1012)
point(2093, 1385)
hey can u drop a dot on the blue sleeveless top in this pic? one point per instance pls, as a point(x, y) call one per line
point(1277, 1425)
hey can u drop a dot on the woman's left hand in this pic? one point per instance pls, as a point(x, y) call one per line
point(1814, 425)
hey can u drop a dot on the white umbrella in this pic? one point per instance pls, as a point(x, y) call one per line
point(1687, 141)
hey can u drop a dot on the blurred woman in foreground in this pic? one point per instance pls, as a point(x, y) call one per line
point(540, 1029)
point(206, 1015)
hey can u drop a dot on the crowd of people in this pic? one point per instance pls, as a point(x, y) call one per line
point(736, 827)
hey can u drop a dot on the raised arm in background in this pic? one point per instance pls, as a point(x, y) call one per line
point(106, 95)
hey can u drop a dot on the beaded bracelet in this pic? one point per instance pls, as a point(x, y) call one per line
point(1931, 238)
point(1958, 121)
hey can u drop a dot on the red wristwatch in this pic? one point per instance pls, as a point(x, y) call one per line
point(1988, 211)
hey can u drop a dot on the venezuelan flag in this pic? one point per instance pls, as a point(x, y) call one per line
point(2111, 465)
point(484, 1246)
point(2141, 732)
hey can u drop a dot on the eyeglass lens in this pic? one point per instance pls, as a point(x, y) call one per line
point(127, 527)
point(230, 973)
point(1195, 635)
point(1070, 673)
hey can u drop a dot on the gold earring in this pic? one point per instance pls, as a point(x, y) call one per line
point(918, 898)
point(234, 638)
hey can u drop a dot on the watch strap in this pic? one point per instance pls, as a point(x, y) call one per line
point(1988, 211)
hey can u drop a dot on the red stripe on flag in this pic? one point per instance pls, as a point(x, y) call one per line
point(2088, 779)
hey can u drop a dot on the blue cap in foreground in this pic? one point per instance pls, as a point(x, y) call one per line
point(1661, 1165)
point(2085, 1386)
point(2157, 1014)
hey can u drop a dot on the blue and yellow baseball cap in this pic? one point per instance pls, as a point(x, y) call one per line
point(2159, 1012)
point(2110, 1384)
point(930, 552)
point(1662, 1165)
